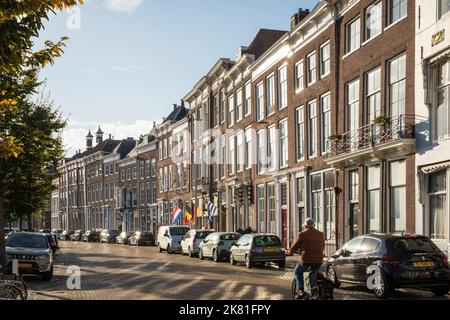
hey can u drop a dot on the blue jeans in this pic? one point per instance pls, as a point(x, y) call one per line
point(300, 269)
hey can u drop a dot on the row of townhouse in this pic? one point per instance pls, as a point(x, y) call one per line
point(344, 118)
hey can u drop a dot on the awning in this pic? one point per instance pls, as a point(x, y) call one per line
point(435, 167)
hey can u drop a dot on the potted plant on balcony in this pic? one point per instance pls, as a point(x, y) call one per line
point(380, 130)
point(333, 142)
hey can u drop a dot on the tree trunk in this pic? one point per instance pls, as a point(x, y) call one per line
point(29, 222)
point(2, 227)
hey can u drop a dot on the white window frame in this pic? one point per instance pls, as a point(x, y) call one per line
point(239, 105)
point(372, 90)
point(282, 87)
point(311, 68)
point(270, 94)
point(300, 133)
point(272, 154)
point(368, 20)
point(325, 61)
point(299, 74)
point(260, 101)
point(248, 99)
point(353, 39)
point(284, 145)
point(231, 110)
point(325, 122)
point(312, 126)
point(390, 20)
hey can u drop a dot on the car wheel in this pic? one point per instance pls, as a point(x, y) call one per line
point(47, 276)
point(440, 291)
point(168, 250)
point(215, 256)
point(248, 262)
point(232, 261)
point(385, 288)
point(190, 253)
point(200, 255)
point(159, 248)
point(331, 275)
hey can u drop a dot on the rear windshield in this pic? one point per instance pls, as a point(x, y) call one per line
point(147, 234)
point(178, 231)
point(230, 237)
point(27, 241)
point(202, 234)
point(263, 241)
point(412, 246)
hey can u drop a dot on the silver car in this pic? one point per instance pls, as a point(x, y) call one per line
point(33, 253)
point(217, 245)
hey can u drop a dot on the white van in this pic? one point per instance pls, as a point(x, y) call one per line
point(169, 238)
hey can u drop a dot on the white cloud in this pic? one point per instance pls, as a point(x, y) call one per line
point(128, 6)
point(74, 135)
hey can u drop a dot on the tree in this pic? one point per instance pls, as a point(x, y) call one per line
point(20, 23)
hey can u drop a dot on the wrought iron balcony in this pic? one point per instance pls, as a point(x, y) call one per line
point(384, 136)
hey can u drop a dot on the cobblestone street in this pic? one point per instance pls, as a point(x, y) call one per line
point(116, 272)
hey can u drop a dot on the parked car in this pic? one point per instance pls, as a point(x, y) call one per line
point(142, 238)
point(53, 242)
point(57, 232)
point(33, 252)
point(192, 239)
point(109, 236)
point(169, 238)
point(123, 238)
point(65, 235)
point(403, 261)
point(76, 236)
point(258, 248)
point(217, 245)
point(45, 231)
point(91, 236)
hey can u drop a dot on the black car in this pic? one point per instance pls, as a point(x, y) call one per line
point(65, 235)
point(76, 236)
point(384, 262)
point(123, 238)
point(142, 238)
point(109, 236)
point(91, 236)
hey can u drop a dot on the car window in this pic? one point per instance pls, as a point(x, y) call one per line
point(369, 245)
point(27, 241)
point(354, 245)
point(202, 234)
point(263, 241)
point(230, 237)
point(412, 246)
point(243, 240)
point(178, 231)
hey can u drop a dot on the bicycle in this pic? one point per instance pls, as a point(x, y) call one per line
point(10, 284)
point(316, 286)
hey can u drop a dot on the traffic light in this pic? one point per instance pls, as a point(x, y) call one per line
point(249, 188)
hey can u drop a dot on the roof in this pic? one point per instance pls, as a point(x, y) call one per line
point(263, 40)
point(105, 146)
point(89, 135)
point(177, 114)
point(125, 147)
point(99, 131)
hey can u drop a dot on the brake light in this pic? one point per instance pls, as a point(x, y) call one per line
point(220, 243)
point(253, 250)
point(390, 260)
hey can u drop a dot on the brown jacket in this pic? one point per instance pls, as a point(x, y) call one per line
point(311, 243)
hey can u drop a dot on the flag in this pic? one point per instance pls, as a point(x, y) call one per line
point(177, 215)
point(212, 209)
point(187, 217)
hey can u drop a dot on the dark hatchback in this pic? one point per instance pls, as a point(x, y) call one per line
point(91, 236)
point(142, 238)
point(65, 235)
point(402, 261)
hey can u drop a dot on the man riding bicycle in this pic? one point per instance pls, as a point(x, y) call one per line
point(311, 243)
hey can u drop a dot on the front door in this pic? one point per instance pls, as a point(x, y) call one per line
point(353, 223)
point(284, 227)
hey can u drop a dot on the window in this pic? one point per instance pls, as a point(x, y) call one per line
point(147, 168)
point(373, 198)
point(239, 108)
point(270, 94)
point(397, 185)
point(300, 133)
point(133, 197)
point(260, 102)
point(240, 151)
point(397, 83)
point(352, 106)
point(134, 173)
point(299, 76)
point(248, 148)
point(215, 117)
point(325, 105)
point(248, 99)
point(316, 198)
point(397, 10)
point(282, 87)
point(438, 212)
point(128, 174)
point(148, 193)
point(230, 111)
point(261, 155)
point(353, 38)
point(283, 143)
point(443, 7)
point(141, 169)
point(311, 65)
point(142, 193)
point(325, 61)
point(373, 94)
point(222, 106)
point(442, 114)
point(261, 199)
point(373, 20)
point(312, 107)
point(271, 147)
point(271, 208)
point(231, 154)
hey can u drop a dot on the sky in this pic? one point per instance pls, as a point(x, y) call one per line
point(128, 61)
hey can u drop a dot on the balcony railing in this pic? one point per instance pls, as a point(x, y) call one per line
point(383, 131)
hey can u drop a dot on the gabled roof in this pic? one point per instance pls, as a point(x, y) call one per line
point(105, 146)
point(177, 114)
point(263, 40)
point(125, 147)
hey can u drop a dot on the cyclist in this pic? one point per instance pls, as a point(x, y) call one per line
point(311, 243)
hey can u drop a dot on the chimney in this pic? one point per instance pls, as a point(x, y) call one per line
point(89, 139)
point(110, 136)
point(240, 52)
point(175, 106)
point(99, 135)
point(182, 103)
point(298, 17)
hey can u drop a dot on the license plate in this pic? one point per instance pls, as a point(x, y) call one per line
point(270, 250)
point(25, 265)
point(424, 264)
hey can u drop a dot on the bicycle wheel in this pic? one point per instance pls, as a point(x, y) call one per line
point(10, 292)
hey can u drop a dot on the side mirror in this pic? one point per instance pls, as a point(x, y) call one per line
point(345, 253)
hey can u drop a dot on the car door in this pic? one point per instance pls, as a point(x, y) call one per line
point(185, 242)
point(344, 263)
point(365, 257)
point(237, 251)
point(206, 245)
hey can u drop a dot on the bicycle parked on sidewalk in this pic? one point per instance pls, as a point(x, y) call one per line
point(13, 287)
